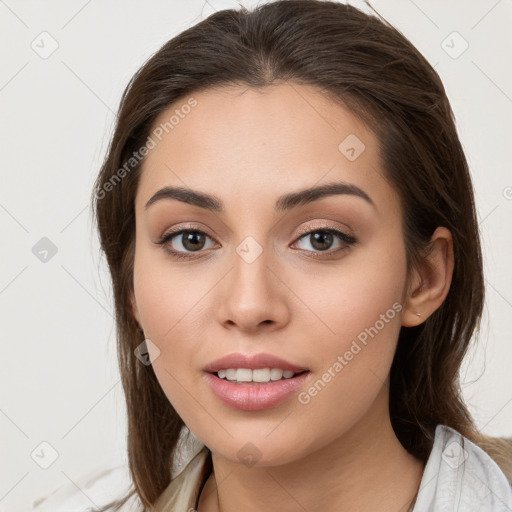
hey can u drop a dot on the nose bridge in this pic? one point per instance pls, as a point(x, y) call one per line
point(252, 294)
point(250, 278)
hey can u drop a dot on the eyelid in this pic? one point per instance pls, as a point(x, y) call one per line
point(188, 227)
point(324, 225)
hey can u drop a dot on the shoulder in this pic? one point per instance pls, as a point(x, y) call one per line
point(459, 475)
point(90, 491)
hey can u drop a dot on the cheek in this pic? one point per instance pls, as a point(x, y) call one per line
point(170, 298)
point(364, 289)
point(172, 313)
point(173, 304)
point(353, 363)
point(360, 313)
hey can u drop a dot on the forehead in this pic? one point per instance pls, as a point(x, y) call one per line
point(236, 142)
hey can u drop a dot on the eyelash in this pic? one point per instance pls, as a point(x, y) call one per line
point(342, 236)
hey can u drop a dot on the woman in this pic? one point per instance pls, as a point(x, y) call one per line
point(288, 219)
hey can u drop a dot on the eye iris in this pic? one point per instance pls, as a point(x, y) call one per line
point(321, 240)
point(192, 240)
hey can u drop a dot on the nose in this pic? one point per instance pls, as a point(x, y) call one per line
point(253, 297)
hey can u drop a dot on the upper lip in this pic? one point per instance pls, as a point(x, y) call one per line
point(251, 361)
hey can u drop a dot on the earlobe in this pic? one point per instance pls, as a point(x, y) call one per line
point(431, 281)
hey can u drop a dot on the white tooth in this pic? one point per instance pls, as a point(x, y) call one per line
point(231, 374)
point(244, 375)
point(276, 374)
point(261, 375)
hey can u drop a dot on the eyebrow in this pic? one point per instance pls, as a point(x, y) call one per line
point(284, 203)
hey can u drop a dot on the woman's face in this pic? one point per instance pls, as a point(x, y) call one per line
point(265, 277)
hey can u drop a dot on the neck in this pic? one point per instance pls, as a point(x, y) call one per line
point(365, 469)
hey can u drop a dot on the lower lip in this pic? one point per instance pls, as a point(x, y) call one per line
point(250, 396)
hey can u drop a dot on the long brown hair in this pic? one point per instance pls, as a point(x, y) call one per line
point(369, 67)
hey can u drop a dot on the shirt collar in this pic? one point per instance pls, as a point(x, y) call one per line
point(460, 476)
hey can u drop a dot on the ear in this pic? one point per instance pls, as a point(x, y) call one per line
point(430, 283)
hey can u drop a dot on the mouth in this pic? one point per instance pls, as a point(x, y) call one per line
point(254, 382)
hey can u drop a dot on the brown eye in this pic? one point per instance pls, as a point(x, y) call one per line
point(193, 240)
point(185, 242)
point(322, 240)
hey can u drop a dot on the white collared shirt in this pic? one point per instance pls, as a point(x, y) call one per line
point(458, 477)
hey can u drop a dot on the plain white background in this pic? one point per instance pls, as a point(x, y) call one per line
point(59, 378)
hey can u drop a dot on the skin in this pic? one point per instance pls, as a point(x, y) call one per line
point(247, 147)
